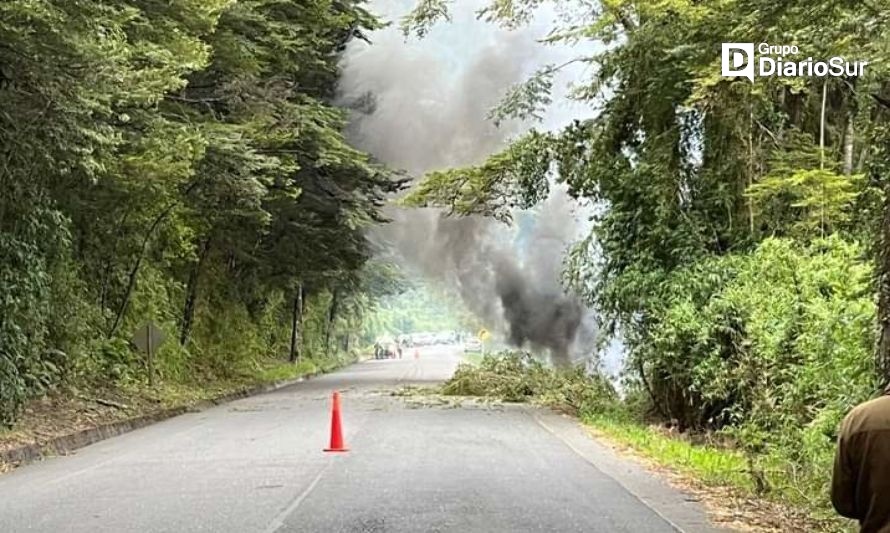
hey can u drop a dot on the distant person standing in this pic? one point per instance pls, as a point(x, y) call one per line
point(860, 487)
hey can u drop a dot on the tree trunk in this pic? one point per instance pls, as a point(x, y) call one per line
point(849, 142)
point(750, 169)
point(191, 296)
point(296, 331)
point(822, 156)
point(655, 402)
point(108, 270)
point(883, 348)
point(796, 112)
point(863, 158)
point(882, 352)
point(332, 315)
point(134, 272)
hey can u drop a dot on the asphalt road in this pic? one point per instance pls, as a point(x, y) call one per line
point(415, 465)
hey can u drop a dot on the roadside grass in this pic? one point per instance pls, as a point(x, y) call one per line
point(712, 465)
point(73, 408)
point(286, 371)
point(778, 486)
point(770, 477)
point(172, 393)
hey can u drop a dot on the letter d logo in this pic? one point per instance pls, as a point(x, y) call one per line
point(738, 60)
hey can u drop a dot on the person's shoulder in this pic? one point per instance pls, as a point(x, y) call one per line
point(868, 416)
point(879, 403)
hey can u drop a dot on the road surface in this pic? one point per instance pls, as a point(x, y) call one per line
point(256, 465)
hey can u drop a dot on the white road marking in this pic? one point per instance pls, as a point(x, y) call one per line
point(278, 522)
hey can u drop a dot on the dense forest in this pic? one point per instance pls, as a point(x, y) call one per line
point(741, 242)
point(183, 162)
point(178, 162)
point(420, 308)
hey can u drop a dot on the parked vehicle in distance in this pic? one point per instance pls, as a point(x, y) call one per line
point(421, 339)
point(472, 345)
point(386, 348)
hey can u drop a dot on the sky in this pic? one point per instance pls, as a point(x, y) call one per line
point(455, 74)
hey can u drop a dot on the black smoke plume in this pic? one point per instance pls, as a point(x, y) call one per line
point(422, 106)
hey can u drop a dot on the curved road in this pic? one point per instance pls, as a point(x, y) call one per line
point(256, 465)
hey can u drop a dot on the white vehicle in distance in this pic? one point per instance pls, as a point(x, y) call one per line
point(472, 345)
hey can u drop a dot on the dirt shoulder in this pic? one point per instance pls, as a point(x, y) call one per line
point(73, 417)
point(728, 507)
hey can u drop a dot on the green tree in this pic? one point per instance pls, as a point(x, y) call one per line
point(691, 174)
point(178, 162)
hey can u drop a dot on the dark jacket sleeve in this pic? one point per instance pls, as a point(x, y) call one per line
point(843, 481)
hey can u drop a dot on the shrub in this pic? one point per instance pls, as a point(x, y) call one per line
point(519, 377)
point(770, 347)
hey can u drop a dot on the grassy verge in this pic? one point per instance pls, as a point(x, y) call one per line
point(75, 408)
point(176, 394)
point(775, 490)
point(726, 471)
point(709, 464)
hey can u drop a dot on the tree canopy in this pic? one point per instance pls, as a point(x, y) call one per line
point(740, 240)
point(162, 160)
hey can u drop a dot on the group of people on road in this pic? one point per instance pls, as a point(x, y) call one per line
point(387, 347)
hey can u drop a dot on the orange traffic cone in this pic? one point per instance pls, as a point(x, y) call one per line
point(336, 428)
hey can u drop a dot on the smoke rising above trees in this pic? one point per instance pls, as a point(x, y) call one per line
point(422, 109)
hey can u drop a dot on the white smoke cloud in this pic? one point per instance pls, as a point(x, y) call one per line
point(425, 106)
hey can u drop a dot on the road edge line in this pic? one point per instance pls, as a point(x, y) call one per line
point(278, 522)
point(536, 416)
point(62, 445)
